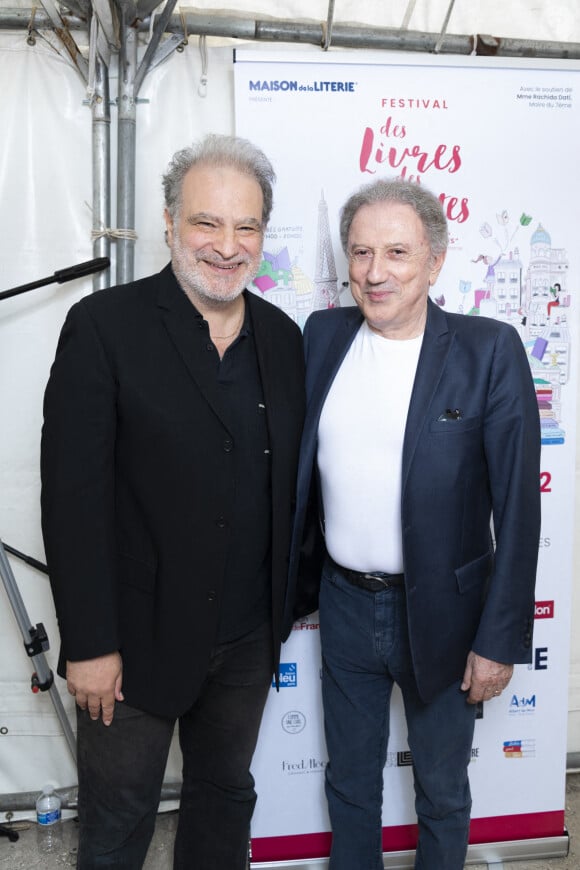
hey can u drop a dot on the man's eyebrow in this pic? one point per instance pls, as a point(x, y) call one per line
point(203, 216)
point(207, 216)
point(386, 247)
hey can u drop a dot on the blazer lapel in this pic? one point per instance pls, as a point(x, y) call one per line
point(268, 362)
point(331, 361)
point(434, 352)
point(181, 323)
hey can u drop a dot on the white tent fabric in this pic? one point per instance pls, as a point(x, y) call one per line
point(516, 19)
point(45, 225)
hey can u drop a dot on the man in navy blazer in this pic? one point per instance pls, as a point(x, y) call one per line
point(421, 429)
point(172, 424)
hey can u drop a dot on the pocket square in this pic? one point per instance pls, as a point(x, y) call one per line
point(449, 416)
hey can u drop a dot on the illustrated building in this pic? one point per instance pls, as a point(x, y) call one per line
point(503, 296)
point(326, 293)
point(546, 282)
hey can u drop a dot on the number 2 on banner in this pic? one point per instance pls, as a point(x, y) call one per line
point(545, 481)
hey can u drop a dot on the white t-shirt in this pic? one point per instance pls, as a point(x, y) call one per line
point(360, 445)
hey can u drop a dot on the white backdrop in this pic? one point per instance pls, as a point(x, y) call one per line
point(45, 178)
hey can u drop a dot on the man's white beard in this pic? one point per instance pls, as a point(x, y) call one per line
point(188, 271)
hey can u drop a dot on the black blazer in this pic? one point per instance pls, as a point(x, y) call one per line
point(136, 484)
point(462, 592)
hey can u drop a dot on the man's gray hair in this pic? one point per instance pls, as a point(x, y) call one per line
point(424, 203)
point(218, 150)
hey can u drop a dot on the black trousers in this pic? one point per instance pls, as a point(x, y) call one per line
point(121, 768)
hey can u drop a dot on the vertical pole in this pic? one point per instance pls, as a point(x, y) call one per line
point(101, 145)
point(126, 152)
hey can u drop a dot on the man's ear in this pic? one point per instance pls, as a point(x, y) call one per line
point(168, 227)
point(436, 266)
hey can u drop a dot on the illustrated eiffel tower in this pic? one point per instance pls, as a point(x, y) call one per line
point(326, 293)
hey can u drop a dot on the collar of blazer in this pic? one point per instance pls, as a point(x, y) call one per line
point(434, 352)
point(177, 315)
point(431, 366)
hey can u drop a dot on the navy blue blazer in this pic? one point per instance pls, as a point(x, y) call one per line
point(465, 591)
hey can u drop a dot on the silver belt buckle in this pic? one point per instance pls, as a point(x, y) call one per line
point(379, 578)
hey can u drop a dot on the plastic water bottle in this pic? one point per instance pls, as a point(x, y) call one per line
point(48, 815)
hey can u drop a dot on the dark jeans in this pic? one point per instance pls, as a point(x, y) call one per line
point(121, 769)
point(365, 650)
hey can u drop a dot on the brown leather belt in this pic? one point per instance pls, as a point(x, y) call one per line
point(373, 581)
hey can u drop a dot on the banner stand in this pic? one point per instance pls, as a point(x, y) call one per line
point(485, 853)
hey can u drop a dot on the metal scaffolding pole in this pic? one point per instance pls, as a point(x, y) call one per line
point(126, 150)
point(311, 32)
point(101, 145)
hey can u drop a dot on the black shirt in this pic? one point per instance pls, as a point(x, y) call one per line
point(246, 592)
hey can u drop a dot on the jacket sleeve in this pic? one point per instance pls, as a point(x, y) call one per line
point(77, 497)
point(512, 448)
point(308, 547)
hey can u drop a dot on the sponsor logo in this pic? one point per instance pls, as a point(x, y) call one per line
point(405, 759)
point(304, 765)
point(293, 722)
point(306, 624)
point(519, 749)
point(292, 85)
point(544, 610)
point(540, 662)
point(522, 706)
point(288, 675)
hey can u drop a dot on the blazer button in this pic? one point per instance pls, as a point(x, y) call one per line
point(228, 445)
point(220, 523)
point(211, 596)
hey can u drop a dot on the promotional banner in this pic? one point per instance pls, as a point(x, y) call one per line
point(497, 142)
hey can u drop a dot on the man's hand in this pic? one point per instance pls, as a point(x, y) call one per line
point(96, 684)
point(484, 678)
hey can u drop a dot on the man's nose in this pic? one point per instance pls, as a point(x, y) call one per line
point(225, 242)
point(378, 270)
